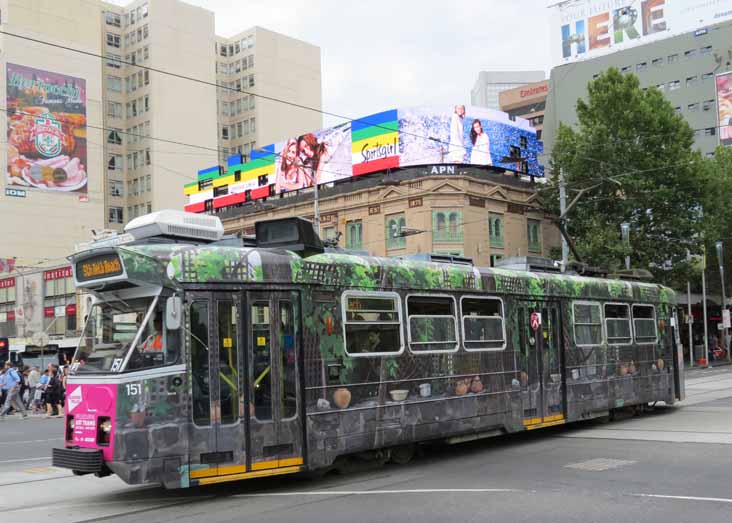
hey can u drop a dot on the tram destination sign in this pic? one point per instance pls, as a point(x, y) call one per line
point(97, 267)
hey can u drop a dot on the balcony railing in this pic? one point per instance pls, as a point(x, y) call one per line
point(448, 236)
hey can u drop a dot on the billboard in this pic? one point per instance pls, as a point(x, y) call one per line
point(583, 29)
point(46, 130)
point(391, 139)
point(724, 106)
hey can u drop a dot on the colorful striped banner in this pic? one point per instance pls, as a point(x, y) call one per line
point(375, 143)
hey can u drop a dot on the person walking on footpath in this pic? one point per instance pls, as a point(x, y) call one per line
point(42, 386)
point(53, 392)
point(12, 384)
point(3, 392)
point(24, 384)
point(34, 377)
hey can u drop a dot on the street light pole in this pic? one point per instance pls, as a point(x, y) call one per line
point(625, 231)
point(316, 205)
point(562, 212)
point(690, 322)
point(720, 258)
point(704, 300)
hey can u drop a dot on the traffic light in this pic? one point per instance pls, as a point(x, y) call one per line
point(4, 350)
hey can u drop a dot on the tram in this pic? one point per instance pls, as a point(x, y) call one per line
point(207, 359)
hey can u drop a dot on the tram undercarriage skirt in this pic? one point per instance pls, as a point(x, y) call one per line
point(85, 461)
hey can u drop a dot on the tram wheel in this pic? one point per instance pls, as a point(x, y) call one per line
point(402, 454)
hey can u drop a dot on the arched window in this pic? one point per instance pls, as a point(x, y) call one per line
point(394, 226)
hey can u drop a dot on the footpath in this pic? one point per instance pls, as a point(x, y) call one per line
point(705, 415)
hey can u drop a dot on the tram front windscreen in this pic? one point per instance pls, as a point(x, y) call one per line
point(116, 328)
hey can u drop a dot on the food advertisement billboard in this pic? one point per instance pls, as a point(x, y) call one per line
point(46, 130)
point(724, 104)
point(583, 29)
point(407, 137)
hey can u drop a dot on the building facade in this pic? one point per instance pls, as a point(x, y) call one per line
point(258, 60)
point(41, 223)
point(528, 102)
point(491, 83)
point(441, 209)
point(134, 116)
point(683, 67)
point(143, 104)
point(119, 130)
point(41, 311)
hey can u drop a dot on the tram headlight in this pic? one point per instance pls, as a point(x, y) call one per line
point(69, 428)
point(104, 430)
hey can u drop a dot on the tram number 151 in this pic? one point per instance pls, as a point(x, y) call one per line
point(134, 389)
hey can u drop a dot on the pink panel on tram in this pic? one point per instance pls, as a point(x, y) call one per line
point(86, 403)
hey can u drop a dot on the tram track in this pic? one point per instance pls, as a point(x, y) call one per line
point(38, 480)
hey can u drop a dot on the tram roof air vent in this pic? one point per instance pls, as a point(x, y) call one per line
point(529, 263)
point(176, 224)
point(294, 234)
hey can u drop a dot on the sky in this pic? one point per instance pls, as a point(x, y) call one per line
point(383, 54)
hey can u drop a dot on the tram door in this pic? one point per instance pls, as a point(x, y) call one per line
point(217, 440)
point(539, 328)
point(276, 430)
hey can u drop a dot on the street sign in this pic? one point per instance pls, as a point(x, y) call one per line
point(16, 193)
point(535, 320)
point(726, 319)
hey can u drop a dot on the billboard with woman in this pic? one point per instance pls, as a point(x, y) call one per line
point(324, 156)
point(724, 104)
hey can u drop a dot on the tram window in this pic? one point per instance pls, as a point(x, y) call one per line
point(482, 323)
point(372, 325)
point(644, 323)
point(228, 369)
point(199, 363)
point(432, 324)
point(156, 346)
point(289, 362)
point(261, 361)
point(587, 324)
point(617, 323)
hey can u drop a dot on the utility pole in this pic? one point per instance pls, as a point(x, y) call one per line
point(720, 258)
point(316, 205)
point(691, 325)
point(704, 300)
point(562, 212)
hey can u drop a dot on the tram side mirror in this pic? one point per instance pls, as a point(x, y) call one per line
point(173, 313)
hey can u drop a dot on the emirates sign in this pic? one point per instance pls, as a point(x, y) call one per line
point(534, 91)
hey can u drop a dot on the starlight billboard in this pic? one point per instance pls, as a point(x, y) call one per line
point(408, 137)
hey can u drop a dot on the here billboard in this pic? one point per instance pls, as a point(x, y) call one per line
point(583, 29)
point(396, 138)
point(46, 131)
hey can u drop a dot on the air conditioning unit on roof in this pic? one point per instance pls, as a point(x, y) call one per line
point(176, 224)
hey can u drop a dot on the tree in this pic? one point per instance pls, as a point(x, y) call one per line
point(718, 214)
point(630, 159)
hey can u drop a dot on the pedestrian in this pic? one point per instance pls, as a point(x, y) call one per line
point(34, 376)
point(52, 392)
point(62, 391)
point(24, 385)
point(12, 384)
point(3, 392)
point(41, 388)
